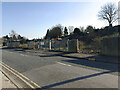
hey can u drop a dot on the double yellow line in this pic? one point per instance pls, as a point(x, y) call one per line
point(20, 76)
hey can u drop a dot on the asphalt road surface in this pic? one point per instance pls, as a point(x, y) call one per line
point(60, 72)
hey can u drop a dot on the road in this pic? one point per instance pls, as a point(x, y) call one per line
point(61, 72)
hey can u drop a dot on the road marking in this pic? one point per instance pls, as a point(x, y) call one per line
point(64, 64)
point(23, 55)
point(69, 65)
point(20, 74)
point(61, 63)
point(19, 77)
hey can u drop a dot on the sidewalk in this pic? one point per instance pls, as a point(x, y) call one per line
point(95, 57)
point(92, 57)
point(5, 82)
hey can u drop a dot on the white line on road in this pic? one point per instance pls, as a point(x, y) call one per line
point(69, 65)
point(23, 55)
point(61, 63)
point(64, 64)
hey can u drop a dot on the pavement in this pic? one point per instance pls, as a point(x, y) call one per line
point(93, 57)
point(6, 82)
point(54, 71)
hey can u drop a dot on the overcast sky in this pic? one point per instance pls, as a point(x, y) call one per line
point(32, 19)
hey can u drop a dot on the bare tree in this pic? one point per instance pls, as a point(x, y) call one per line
point(119, 13)
point(82, 29)
point(108, 12)
point(13, 33)
point(71, 29)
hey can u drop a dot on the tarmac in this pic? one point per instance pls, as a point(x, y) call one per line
point(7, 83)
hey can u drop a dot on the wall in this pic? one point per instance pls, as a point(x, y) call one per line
point(111, 46)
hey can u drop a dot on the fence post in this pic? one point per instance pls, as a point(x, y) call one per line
point(77, 45)
point(59, 45)
point(49, 44)
point(55, 45)
point(67, 44)
point(38, 44)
